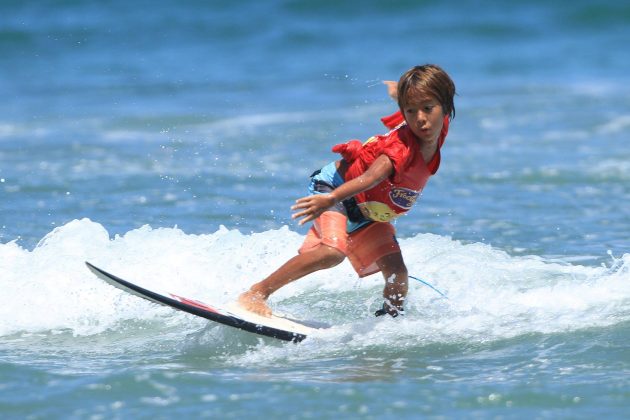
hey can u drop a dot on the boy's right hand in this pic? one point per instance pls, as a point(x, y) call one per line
point(312, 207)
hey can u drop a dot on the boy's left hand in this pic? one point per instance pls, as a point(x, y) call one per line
point(392, 89)
point(312, 207)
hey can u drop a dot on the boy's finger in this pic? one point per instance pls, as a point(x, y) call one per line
point(306, 219)
point(298, 215)
point(302, 203)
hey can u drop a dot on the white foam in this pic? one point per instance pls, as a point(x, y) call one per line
point(492, 295)
point(7, 130)
point(615, 125)
point(610, 168)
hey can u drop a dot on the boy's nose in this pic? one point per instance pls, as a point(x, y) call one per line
point(421, 118)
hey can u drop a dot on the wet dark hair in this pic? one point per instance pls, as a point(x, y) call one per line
point(428, 80)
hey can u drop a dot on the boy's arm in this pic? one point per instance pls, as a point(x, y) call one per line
point(314, 205)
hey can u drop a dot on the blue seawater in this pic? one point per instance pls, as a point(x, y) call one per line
point(165, 141)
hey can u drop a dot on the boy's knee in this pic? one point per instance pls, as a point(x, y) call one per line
point(330, 256)
point(393, 264)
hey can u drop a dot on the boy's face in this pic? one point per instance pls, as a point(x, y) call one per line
point(425, 117)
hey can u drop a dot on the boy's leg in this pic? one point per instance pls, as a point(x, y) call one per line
point(396, 282)
point(255, 299)
point(323, 247)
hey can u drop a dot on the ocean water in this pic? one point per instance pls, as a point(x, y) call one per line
point(165, 142)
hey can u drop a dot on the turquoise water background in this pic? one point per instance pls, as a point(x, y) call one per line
point(165, 141)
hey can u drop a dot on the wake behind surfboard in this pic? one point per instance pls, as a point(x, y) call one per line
point(276, 326)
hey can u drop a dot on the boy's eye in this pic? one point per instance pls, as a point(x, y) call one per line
point(424, 108)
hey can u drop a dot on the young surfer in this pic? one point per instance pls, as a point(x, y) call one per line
point(353, 200)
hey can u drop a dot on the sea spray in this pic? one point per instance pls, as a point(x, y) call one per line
point(492, 295)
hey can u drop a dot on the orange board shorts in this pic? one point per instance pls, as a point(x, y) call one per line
point(363, 247)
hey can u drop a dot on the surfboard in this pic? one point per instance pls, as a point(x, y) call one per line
point(277, 326)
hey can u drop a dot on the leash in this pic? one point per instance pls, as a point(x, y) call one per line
point(431, 286)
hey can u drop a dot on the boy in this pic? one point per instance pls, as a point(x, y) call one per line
point(354, 199)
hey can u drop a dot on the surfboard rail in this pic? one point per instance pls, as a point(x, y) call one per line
point(256, 324)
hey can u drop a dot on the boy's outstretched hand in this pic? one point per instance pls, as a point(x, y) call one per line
point(392, 89)
point(312, 206)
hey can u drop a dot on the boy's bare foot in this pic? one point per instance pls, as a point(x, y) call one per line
point(254, 302)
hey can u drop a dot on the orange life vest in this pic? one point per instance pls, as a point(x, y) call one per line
point(397, 194)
